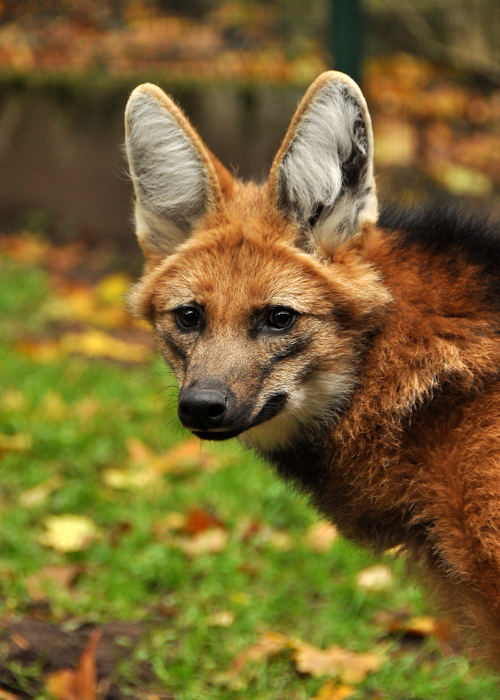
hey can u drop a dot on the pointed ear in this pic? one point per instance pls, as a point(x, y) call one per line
point(322, 176)
point(176, 179)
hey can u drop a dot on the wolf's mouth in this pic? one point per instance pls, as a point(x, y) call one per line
point(270, 409)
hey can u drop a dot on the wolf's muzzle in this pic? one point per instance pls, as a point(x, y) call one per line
point(212, 411)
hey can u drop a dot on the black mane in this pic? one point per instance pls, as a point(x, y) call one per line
point(448, 231)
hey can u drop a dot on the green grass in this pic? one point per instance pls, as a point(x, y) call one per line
point(132, 571)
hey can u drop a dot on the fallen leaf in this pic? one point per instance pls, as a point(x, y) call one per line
point(321, 536)
point(68, 533)
point(38, 494)
point(18, 442)
point(63, 575)
point(112, 289)
point(212, 541)
point(421, 626)
point(374, 578)
point(269, 644)
point(95, 343)
point(348, 666)
point(199, 520)
point(189, 455)
point(20, 641)
point(222, 618)
point(333, 691)
point(53, 406)
point(5, 695)
point(80, 683)
point(128, 479)
point(397, 621)
point(395, 143)
point(79, 302)
point(12, 400)
point(462, 181)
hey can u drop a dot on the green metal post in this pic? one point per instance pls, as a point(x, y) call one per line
point(345, 36)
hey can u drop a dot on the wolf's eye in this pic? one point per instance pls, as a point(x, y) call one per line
point(187, 316)
point(280, 318)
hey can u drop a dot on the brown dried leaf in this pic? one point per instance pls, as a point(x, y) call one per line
point(80, 683)
point(64, 576)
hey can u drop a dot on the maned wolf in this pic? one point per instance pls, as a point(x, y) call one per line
point(358, 352)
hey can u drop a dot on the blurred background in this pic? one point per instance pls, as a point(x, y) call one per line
point(430, 70)
point(135, 561)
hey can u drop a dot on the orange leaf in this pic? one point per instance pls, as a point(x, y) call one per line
point(332, 691)
point(63, 576)
point(80, 683)
point(269, 644)
point(5, 695)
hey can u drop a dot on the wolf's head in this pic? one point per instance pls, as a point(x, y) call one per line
point(259, 297)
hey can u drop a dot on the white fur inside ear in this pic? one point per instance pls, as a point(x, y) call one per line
point(170, 179)
point(326, 175)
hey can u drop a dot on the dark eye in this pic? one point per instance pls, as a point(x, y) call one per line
point(187, 316)
point(280, 317)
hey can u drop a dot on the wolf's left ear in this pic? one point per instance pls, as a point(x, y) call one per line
point(177, 181)
point(322, 176)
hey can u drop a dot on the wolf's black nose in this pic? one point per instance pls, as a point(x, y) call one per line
point(202, 409)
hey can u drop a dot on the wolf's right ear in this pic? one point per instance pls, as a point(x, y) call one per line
point(176, 179)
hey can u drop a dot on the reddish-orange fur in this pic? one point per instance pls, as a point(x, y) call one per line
point(410, 454)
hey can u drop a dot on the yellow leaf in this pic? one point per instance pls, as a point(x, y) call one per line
point(321, 536)
point(5, 695)
point(19, 442)
point(460, 180)
point(374, 578)
point(348, 666)
point(53, 406)
point(95, 343)
point(12, 400)
point(128, 478)
point(222, 618)
point(421, 625)
point(211, 541)
point(395, 143)
point(68, 533)
point(113, 288)
point(39, 493)
point(332, 691)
